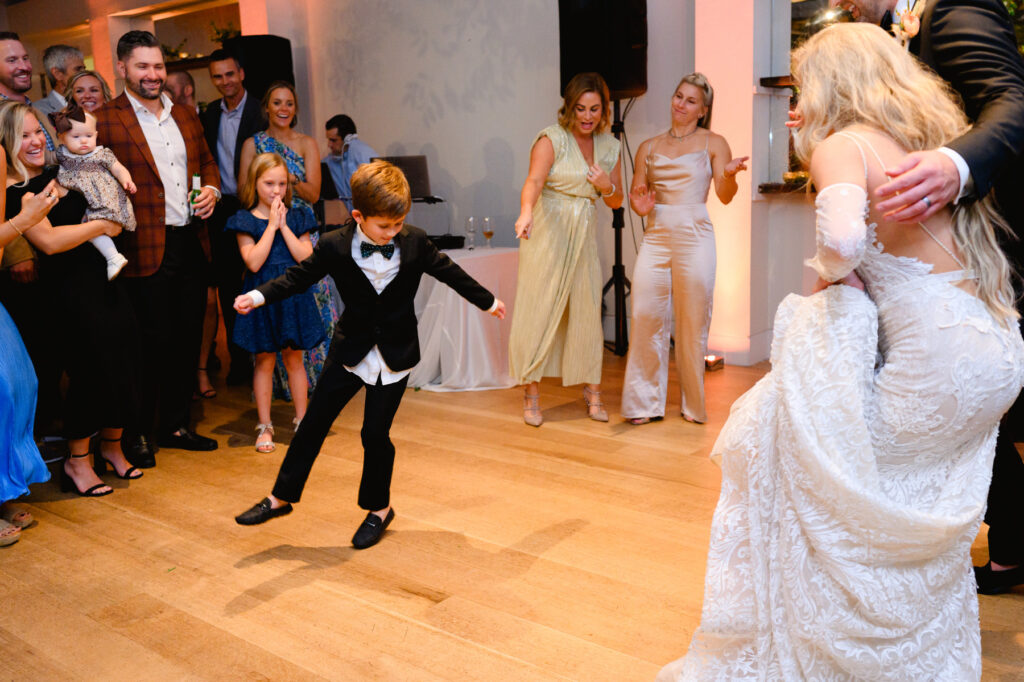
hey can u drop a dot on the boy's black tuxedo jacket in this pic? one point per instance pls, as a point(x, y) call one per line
point(386, 320)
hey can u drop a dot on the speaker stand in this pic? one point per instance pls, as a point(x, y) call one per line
point(619, 282)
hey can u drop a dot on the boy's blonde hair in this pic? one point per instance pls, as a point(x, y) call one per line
point(380, 189)
point(260, 165)
point(856, 73)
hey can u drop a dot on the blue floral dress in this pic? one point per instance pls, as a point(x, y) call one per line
point(324, 291)
point(292, 323)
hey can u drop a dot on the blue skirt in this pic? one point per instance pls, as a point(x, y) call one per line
point(20, 462)
point(292, 323)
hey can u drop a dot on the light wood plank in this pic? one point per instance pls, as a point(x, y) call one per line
point(572, 551)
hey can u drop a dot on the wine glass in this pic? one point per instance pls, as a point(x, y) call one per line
point(470, 232)
point(488, 230)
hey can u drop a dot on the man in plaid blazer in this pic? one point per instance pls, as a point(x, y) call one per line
point(163, 147)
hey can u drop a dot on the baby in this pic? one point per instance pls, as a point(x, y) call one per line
point(96, 173)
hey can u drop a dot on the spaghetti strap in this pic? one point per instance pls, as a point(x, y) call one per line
point(856, 139)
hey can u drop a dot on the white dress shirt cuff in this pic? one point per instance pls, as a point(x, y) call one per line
point(962, 169)
point(257, 298)
point(494, 306)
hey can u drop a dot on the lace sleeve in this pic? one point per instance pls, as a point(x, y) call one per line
point(841, 231)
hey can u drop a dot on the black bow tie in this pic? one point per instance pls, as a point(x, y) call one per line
point(386, 250)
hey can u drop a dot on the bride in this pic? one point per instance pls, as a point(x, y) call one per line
point(854, 475)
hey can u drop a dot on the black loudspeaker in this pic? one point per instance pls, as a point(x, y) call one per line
point(607, 36)
point(265, 59)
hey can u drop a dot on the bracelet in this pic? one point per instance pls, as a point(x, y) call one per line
point(610, 193)
point(14, 225)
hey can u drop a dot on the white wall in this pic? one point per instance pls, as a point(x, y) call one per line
point(469, 83)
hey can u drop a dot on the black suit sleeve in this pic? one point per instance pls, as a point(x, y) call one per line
point(444, 269)
point(302, 276)
point(974, 48)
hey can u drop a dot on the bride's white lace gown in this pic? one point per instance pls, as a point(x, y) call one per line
point(855, 474)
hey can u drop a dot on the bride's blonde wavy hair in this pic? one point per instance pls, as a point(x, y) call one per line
point(857, 73)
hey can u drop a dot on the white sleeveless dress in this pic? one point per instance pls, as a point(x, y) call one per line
point(852, 487)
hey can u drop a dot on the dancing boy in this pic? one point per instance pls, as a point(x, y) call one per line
point(377, 263)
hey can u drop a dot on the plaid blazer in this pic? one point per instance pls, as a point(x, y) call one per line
point(119, 130)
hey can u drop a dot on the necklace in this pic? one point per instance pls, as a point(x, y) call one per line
point(682, 137)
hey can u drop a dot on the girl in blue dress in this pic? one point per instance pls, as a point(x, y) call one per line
point(302, 156)
point(271, 238)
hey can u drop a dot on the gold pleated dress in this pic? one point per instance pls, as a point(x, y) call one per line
point(556, 324)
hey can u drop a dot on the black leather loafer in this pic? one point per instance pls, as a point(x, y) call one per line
point(368, 534)
point(997, 582)
point(140, 452)
point(186, 439)
point(261, 512)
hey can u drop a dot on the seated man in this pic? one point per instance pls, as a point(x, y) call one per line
point(348, 152)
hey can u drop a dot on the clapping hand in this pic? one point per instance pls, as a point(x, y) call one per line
point(796, 119)
point(642, 199)
point(34, 207)
point(735, 166)
point(278, 212)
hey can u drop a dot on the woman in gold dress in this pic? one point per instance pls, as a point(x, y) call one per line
point(556, 324)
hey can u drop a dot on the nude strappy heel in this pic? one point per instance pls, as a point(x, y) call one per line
point(595, 408)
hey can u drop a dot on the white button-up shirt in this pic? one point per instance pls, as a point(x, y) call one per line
point(227, 138)
point(380, 271)
point(167, 146)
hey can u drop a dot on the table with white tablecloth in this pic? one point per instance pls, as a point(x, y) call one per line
point(462, 348)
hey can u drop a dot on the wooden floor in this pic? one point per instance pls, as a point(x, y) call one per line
point(573, 551)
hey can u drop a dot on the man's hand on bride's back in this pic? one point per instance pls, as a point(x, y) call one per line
point(922, 183)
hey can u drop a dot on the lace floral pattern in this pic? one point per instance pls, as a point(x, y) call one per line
point(855, 476)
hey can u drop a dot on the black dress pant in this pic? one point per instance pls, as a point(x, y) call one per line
point(169, 306)
point(337, 386)
point(227, 270)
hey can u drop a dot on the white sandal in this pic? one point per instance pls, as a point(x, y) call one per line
point(266, 446)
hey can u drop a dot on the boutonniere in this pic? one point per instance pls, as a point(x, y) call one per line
point(908, 23)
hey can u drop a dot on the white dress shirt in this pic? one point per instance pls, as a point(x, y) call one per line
point(380, 271)
point(168, 149)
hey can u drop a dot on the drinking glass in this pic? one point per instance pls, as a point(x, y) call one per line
point(470, 233)
point(488, 230)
